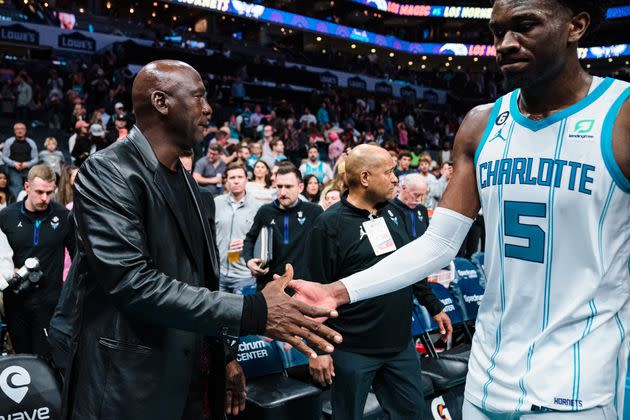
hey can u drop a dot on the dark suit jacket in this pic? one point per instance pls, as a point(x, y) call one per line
point(141, 299)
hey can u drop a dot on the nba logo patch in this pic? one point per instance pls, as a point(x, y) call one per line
point(54, 223)
point(301, 218)
point(391, 216)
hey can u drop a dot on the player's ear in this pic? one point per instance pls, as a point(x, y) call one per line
point(578, 26)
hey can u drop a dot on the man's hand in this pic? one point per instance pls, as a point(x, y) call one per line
point(329, 296)
point(254, 267)
point(290, 320)
point(235, 394)
point(322, 369)
point(444, 324)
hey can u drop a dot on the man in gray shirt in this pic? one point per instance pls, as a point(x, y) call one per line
point(19, 154)
point(235, 214)
point(209, 171)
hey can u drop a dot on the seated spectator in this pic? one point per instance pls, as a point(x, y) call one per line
point(5, 196)
point(312, 188)
point(19, 155)
point(277, 153)
point(81, 129)
point(209, 171)
point(51, 156)
point(404, 162)
point(260, 187)
point(336, 147)
point(330, 196)
point(314, 166)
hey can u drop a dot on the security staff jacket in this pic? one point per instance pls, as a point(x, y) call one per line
point(43, 235)
point(337, 247)
point(290, 227)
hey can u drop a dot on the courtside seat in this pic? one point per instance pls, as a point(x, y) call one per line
point(444, 373)
point(270, 393)
point(40, 397)
point(295, 363)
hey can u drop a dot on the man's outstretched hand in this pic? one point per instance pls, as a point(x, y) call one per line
point(329, 296)
point(291, 320)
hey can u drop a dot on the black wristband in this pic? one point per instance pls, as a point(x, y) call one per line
point(254, 316)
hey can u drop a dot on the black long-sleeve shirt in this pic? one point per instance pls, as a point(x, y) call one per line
point(290, 228)
point(44, 235)
point(338, 247)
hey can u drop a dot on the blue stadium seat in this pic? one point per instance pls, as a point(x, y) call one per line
point(443, 372)
point(468, 288)
point(294, 362)
point(478, 258)
point(270, 393)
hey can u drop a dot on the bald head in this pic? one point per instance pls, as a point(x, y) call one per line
point(161, 76)
point(365, 158)
point(170, 104)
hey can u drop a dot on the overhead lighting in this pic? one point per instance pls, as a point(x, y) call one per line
point(80, 9)
point(447, 64)
point(373, 50)
point(165, 6)
point(423, 66)
point(476, 59)
point(46, 4)
point(459, 67)
point(450, 59)
point(324, 51)
point(174, 18)
point(353, 46)
point(588, 66)
point(130, 10)
point(391, 54)
point(410, 63)
point(610, 60)
point(627, 63)
point(153, 14)
point(424, 57)
point(281, 29)
point(155, 4)
point(319, 38)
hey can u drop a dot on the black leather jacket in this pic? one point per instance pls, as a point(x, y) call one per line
point(141, 302)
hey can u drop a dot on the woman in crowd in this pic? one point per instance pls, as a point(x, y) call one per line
point(5, 196)
point(312, 188)
point(260, 187)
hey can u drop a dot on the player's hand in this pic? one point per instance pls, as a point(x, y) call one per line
point(254, 267)
point(322, 369)
point(444, 324)
point(325, 295)
point(290, 320)
point(235, 393)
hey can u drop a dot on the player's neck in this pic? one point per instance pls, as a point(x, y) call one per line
point(564, 90)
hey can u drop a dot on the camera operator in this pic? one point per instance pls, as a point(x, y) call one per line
point(36, 227)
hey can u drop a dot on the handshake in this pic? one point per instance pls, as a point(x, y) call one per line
point(301, 317)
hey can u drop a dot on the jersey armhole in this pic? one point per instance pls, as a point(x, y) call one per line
point(491, 121)
point(606, 143)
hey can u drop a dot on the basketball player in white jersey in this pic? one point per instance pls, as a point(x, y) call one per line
point(549, 163)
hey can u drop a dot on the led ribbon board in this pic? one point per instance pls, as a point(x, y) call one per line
point(291, 20)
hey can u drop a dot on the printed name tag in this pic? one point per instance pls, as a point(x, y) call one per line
point(379, 236)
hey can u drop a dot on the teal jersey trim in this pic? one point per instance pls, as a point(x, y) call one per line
point(565, 113)
point(606, 143)
point(491, 122)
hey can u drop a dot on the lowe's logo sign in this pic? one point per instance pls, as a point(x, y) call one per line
point(76, 41)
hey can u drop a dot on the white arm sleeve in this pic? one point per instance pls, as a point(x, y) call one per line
point(415, 261)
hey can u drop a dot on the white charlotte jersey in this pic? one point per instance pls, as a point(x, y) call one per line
point(551, 329)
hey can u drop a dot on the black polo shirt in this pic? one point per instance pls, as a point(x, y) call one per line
point(338, 247)
point(44, 235)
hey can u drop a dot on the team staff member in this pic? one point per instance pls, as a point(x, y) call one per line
point(290, 219)
point(415, 217)
point(36, 227)
point(377, 351)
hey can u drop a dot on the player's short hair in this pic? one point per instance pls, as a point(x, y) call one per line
point(595, 8)
point(44, 172)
